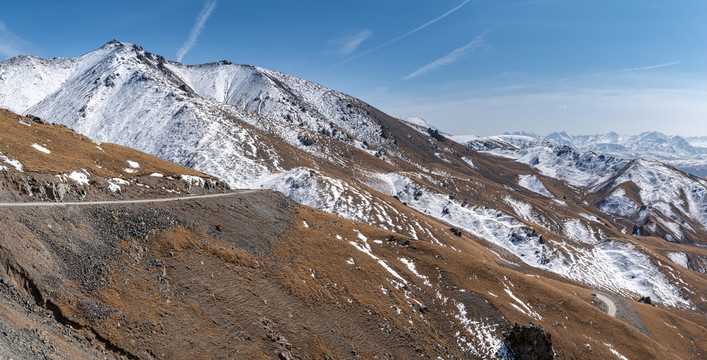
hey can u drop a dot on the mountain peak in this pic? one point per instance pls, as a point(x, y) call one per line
point(116, 44)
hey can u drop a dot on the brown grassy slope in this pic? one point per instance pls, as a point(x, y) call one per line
point(565, 308)
point(244, 277)
point(72, 152)
point(209, 286)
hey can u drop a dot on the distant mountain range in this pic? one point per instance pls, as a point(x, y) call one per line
point(686, 154)
point(429, 239)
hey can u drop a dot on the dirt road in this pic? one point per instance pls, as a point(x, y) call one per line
point(610, 304)
point(120, 202)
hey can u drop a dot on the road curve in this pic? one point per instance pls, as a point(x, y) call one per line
point(119, 202)
point(610, 304)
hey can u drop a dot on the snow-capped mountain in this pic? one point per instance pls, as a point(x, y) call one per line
point(697, 141)
point(646, 196)
point(674, 150)
point(536, 204)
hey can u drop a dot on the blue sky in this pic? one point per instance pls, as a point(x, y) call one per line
point(467, 66)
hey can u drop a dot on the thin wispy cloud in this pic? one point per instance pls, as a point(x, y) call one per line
point(346, 45)
point(403, 36)
point(593, 75)
point(11, 44)
point(454, 56)
point(209, 7)
point(651, 67)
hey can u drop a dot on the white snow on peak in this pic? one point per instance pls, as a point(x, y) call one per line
point(283, 98)
point(687, 154)
point(27, 80)
point(661, 187)
point(413, 120)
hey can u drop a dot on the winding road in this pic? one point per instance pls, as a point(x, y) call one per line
point(610, 304)
point(119, 202)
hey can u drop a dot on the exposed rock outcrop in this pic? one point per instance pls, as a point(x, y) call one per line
point(528, 342)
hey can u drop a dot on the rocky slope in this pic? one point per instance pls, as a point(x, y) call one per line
point(646, 197)
point(254, 275)
point(491, 201)
point(674, 150)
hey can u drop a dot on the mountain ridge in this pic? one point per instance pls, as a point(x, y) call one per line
point(650, 145)
point(541, 208)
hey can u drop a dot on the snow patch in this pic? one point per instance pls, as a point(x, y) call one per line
point(41, 148)
point(14, 163)
point(590, 217)
point(679, 258)
point(80, 178)
point(481, 339)
point(618, 204)
point(469, 162)
point(532, 183)
point(574, 229)
point(115, 183)
point(618, 355)
point(528, 310)
point(411, 266)
point(614, 265)
point(522, 209)
point(193, 180)
point(366, 249)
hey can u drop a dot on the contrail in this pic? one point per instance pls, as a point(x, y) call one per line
point(406, 34)
point(454, 56)
point(209, 7)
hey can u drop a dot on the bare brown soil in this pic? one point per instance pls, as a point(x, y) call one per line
point(244, 277)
